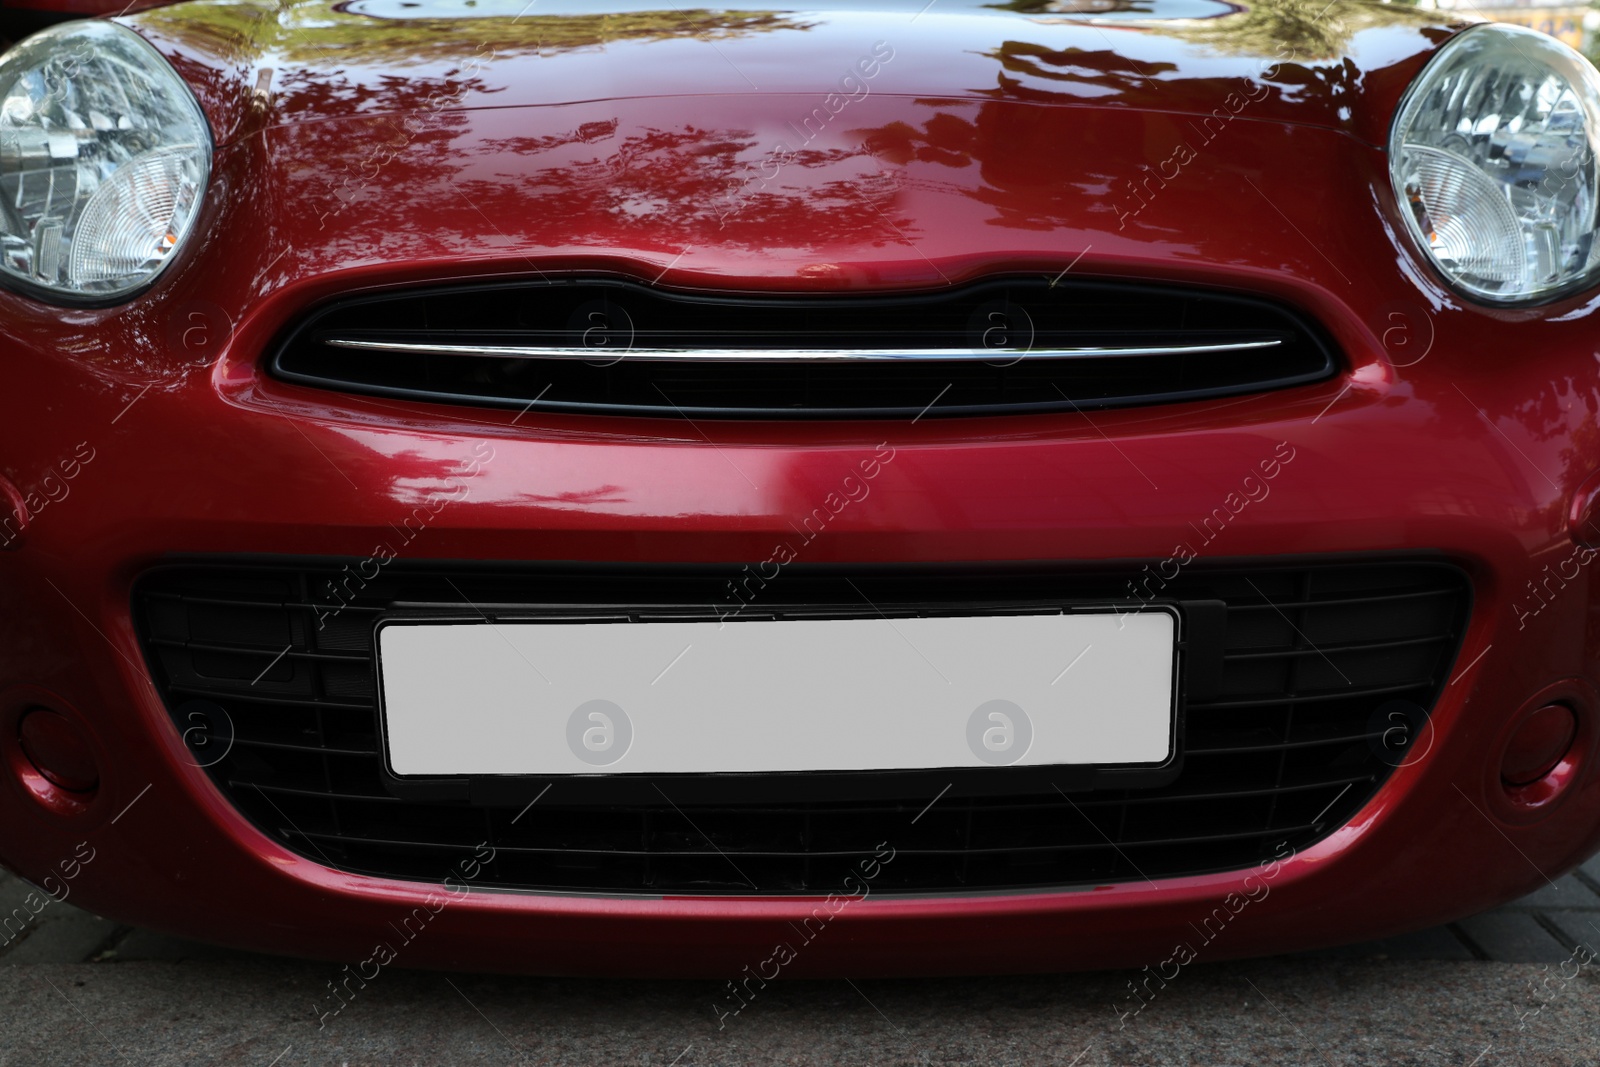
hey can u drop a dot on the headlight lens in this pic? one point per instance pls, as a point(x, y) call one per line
point(104, 156)
point(1493, 162)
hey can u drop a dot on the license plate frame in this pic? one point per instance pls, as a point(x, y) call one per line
point(601, 785)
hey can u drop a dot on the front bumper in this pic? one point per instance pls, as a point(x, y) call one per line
point(1468, 454)
point(181, 858)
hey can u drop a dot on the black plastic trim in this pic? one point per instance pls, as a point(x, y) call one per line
point(311, 323)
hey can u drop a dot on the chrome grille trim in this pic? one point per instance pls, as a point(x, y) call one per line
point(796, 355)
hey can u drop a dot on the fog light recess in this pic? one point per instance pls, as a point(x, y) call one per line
point(58, 750)
point(1542, 753)
point(51, 755)
point(1538, 745)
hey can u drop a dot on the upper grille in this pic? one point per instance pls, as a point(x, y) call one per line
point(1005, 346)
point(1285, 746)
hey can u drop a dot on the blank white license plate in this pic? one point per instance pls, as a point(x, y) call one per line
point(564, 698)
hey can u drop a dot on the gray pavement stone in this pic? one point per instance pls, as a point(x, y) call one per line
point(1580, 927)
point(21, 907)
point(1566, 892)
point(14, 892)
point(1308, 1011)
point(1435, 943)
point(1514, 937)
point(147, 946)
point(61, 934)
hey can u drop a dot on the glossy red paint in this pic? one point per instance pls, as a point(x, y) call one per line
point(64, 9)
point(991, 143)
point(34, 13)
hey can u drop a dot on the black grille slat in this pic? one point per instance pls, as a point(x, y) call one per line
point(1310, 698)
point(1043, 314)
point(261, 654)
point(1260, 768)
point(1286, 605)
point(265, 696)
point(310, 749)
point(1289, 653)
point(320, 794)
point(1282, 746)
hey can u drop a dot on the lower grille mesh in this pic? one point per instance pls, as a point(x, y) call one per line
point(1287, 749)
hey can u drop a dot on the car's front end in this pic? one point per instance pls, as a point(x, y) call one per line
point(1358, 486)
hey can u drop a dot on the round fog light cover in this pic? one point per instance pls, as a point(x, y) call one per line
point(1492, 157)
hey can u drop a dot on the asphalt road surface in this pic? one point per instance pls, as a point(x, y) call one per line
point(1513, 986)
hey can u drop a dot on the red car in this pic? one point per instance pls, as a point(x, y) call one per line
point(842, 489)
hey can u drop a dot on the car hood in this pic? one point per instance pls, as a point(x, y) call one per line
point(1341, 65)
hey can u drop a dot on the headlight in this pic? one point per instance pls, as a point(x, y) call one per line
point(1493, 162)
point(104, 156)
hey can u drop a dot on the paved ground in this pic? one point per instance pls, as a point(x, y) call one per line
point(1513, 986)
